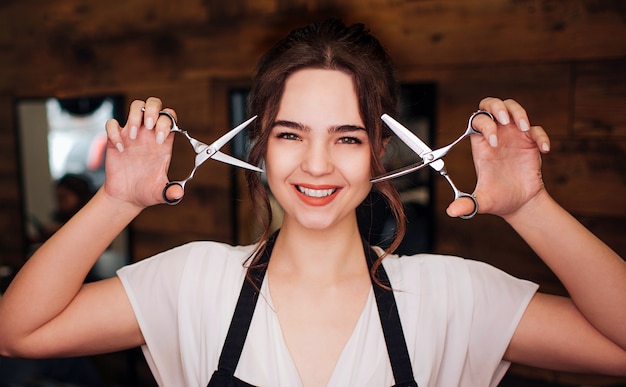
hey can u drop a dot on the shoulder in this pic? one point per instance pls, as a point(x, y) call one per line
point(446, 274)
point(195, 260)
point(457, 306)
point(196, 253)
point(432, 268)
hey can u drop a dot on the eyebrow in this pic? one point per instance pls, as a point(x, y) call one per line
point(304, 128)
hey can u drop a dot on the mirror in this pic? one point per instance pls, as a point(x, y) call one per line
point(62, 153)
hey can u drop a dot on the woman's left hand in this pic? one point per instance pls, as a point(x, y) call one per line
point(507, 159)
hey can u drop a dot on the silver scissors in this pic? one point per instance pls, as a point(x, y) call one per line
point(432, 158)
point(205, 152)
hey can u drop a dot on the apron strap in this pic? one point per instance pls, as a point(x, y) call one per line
point(242, 317)
point(392, 326)
point(387, 311)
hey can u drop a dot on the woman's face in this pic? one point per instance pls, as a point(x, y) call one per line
point(318, 152)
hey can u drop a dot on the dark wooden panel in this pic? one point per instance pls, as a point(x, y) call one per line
point(588, 176)
point(55, 45)
point(600, 98)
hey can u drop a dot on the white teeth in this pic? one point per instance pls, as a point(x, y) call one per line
point(316, 193)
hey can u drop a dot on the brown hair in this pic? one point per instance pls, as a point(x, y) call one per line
point(328, 45)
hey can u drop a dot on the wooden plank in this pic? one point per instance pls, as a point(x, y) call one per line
point(169, 42)
point(588, 176)
point(599, 99)
point(458, 31)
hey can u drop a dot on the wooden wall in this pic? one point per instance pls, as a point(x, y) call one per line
point(564, 60)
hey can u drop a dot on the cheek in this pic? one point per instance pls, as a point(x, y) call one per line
point(278, 162)
point(356, 166)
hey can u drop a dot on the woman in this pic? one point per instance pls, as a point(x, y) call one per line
point(316, 306)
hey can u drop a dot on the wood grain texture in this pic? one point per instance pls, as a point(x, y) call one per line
point(565, 61)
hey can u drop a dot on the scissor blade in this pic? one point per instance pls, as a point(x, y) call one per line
point(400, 172)
point(408, 137)
point(220, 142)
point(223, 157)
point(412, 141)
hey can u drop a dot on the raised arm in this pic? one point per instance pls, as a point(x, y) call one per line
point(586, 333)
point(47, 310)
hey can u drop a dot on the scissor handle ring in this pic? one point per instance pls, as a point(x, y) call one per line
point(164, 113)
point(473, 199)
point(173, 125)
point(476, 113)
point(167, 186)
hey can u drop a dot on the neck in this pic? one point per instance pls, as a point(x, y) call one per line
point(318, 254)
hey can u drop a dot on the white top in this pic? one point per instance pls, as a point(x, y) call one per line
point(458, 318)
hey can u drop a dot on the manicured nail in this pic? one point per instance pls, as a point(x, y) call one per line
point(503, 117)
point(133, 132)
point(149, 123)
point(524, 126)
point(160, 138)
point(545, 147)
point(493, 141)
point(119, 147)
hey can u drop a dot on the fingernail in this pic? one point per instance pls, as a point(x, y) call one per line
point(149, 123)
point(493, 141)
point(160, 138)
point(133, 132)
point(503, 117)
point(545, 147)
point(119, 147)
point(524, 126)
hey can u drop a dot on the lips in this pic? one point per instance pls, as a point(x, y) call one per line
point(318, 195)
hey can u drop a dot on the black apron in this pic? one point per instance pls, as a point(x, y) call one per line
point(240, 324)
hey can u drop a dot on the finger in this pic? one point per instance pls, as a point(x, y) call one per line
point(518, 115)
point(152, 108)
point(497, 107)
point(114, 135)
point(460, 207)
point(164, 125)
point(540, 137)
point(487, 127)
point(135, 118)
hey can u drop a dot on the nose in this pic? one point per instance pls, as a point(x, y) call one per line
point(317, 159)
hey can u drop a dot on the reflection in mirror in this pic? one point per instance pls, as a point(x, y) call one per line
point(62, 149)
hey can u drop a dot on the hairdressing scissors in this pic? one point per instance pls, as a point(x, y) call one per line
point(205, 152)
point(432, 158)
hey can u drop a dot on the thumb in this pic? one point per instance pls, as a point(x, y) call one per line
point(460, 207)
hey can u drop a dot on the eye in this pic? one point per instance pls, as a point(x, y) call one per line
point(349, 140)
point(288, 136)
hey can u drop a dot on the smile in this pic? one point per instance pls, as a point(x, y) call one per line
point(316, 193)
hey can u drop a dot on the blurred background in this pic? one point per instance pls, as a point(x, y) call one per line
point(565, 61)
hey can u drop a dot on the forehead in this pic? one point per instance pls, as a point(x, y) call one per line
point(318, 97)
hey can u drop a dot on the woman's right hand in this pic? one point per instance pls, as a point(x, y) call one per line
point(138, 155)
